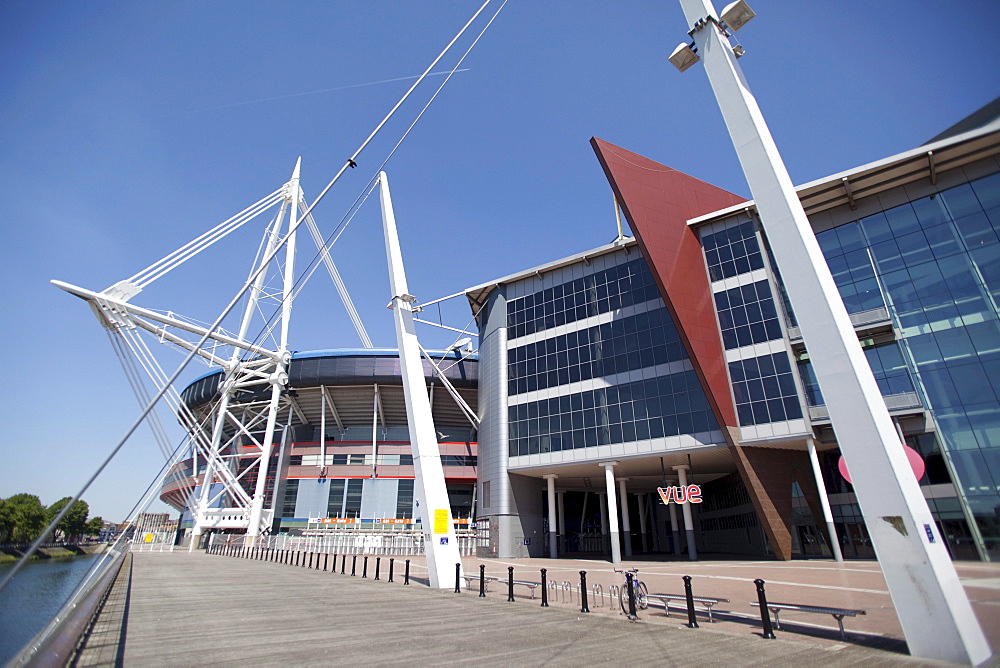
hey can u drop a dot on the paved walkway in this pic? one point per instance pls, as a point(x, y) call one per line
point(186, 609)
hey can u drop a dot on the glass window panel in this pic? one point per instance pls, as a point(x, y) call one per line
point(876, 228)
point(976, 230)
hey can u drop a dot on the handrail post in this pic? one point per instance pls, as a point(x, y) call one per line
point(583, 592)
point(692, 620)
point(510, 584)
point(545, 591)
point(765, 614)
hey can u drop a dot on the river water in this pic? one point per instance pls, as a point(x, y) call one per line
point(33, 598)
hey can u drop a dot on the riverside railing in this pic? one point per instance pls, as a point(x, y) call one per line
point(57, 643)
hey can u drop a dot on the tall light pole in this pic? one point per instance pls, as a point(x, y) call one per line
point(931, 604)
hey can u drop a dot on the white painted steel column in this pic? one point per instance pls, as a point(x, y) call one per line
point(675, 532)
point(686, 509)
point(553, 540)
point(279, 378)
point(626, 525)
point(609, 481)
point(642, 521)
point(824, 501)
point(932, 606)
point(440, 544)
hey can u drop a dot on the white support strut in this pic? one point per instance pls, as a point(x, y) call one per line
point(934, 611)
point(440, 544)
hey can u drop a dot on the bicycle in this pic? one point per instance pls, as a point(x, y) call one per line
point(639, 590)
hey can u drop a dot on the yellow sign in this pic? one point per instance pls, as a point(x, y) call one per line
point(148, 538)
point(441, 520)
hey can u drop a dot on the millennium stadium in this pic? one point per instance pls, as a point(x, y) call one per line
point(342, 459)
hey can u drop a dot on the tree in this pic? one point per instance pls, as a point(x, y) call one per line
point(22, 518)
point(94, 526)
point(74, 523)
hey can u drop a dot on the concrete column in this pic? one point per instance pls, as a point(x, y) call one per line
point(642, 521)
point(824, 501)
point(553, 541)
point(686, 509)
point(609, 480)
point(626, 525)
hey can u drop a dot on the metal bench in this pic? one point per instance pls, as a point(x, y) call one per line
point(838, 613)
point(473, 580)
point(706, 601)
point(529, 585)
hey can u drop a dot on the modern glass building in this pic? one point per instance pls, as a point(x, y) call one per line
point(675, 357)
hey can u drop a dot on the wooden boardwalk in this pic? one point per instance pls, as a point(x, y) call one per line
point(195, 609)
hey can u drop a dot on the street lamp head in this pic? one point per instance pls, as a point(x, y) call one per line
point(683, 57)
point(736, 15)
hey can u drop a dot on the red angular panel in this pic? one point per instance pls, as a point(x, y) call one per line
point(657, 202)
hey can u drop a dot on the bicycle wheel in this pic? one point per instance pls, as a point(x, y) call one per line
point(623, 598)
point(641, 595)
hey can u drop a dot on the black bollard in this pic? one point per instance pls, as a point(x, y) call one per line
point(378, 565)
point(334, 569)
point(545, 590)
point(343, 564)
point(364, 569)
point(392, 562)
point(765, 614)
point(510, 584)
point(310, 562)
point(326, 562)
point(692, 620)
point(631, 598)
point(482, 580)
point(406, 576)
point(354, 565)
point(458, 578)
point(583, 592)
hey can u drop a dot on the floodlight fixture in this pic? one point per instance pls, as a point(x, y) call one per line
point(736, 15)
point(683, 57)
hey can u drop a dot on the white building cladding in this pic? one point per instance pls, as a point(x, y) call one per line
point(581, 364)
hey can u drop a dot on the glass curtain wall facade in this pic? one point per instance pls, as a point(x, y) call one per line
point(935, 264)
point(628, 405)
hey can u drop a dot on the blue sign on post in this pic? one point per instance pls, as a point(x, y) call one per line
point(930, 532)
point(444, 540)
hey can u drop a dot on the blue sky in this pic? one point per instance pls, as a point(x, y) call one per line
point(130, 128)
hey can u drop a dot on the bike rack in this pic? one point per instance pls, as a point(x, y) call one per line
point(598, 592)
point(614, 594)
point(553, 591)
point(566, 592)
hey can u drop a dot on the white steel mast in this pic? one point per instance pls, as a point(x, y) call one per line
point(934, 611)
point(434, 510)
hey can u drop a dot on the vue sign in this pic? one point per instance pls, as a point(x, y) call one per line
point(685, 494)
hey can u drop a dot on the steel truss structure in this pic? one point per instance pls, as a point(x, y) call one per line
point(252, 397)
